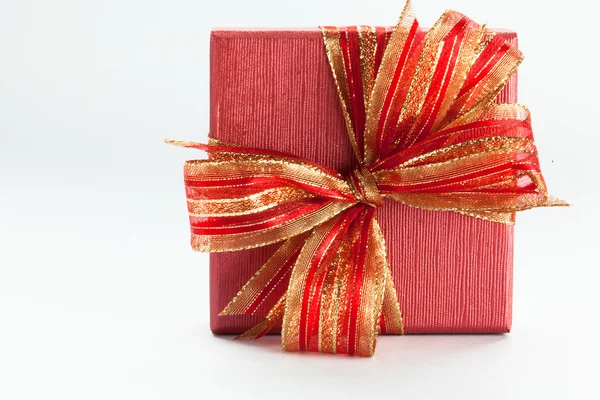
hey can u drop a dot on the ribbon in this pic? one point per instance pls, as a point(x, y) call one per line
point(420, 117)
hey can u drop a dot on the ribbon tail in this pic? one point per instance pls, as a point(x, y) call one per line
point(307, 280)
point(336, 292)
point(555, 202)
point(268, 280)
point(262, 328)
point(391, 317)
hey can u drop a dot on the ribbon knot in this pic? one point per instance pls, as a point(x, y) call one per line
point(364, 186)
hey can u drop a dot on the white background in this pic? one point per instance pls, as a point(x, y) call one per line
point(101, 296)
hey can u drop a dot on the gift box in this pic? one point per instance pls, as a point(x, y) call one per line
point(274, 89)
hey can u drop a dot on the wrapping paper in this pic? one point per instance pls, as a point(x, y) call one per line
point(273, 89)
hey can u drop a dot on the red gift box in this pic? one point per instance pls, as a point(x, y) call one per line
point(273, 89)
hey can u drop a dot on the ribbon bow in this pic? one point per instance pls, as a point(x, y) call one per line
point(420, 116)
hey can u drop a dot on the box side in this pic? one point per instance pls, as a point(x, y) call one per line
point(273, 89)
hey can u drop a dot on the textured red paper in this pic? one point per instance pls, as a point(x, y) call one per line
point(273, 89)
